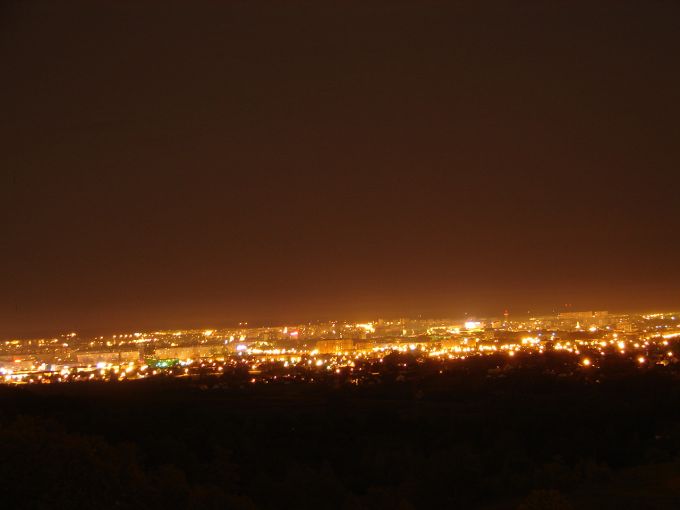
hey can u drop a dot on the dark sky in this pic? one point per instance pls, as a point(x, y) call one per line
point(196, 163)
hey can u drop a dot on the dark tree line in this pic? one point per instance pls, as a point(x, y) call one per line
point(461, 439)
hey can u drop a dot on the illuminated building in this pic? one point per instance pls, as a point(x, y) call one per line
point(17, 363)
point(189, 352)
point(584, 315)
point(112, 357)
point(333, 346)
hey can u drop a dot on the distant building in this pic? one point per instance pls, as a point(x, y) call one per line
point(112, 357)
point(450, 343)
point(584, 315)
point(334, 346)
point(17, 363)
point(365, 345)
point(190, 352)
point(626, 326)
point(585, 319)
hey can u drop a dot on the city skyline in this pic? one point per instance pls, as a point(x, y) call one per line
point(226, 324)
point(586, 338)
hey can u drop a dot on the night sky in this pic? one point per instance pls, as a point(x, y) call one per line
point(200, 163)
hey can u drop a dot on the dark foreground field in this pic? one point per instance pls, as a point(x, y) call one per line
point(464, 440)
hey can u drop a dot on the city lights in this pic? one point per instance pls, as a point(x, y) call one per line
point(271, 354)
